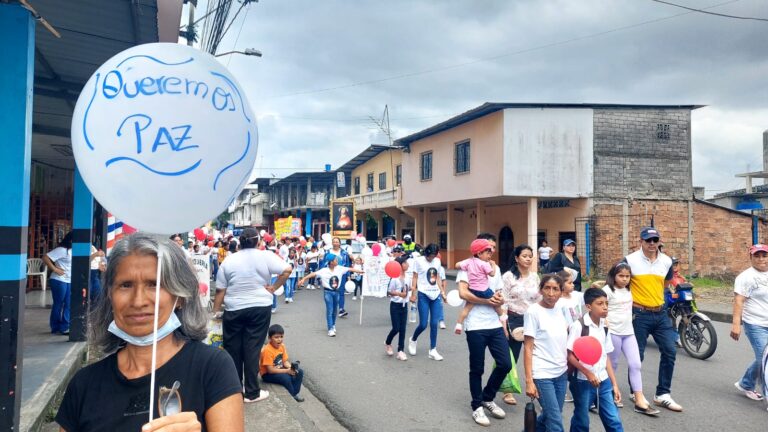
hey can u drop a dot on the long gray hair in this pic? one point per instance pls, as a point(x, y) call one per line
point(177, 277)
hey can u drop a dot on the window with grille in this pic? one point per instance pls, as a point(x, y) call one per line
point(398, 175)
point(426, 166)
point(461, 157)
point(382, 181)
point(357, 185)
point(369, 183)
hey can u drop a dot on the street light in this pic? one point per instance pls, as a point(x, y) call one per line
point(248, 52)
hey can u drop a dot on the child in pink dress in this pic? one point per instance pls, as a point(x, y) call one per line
point(478, 269)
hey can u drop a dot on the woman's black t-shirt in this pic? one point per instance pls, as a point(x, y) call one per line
point(101, 398)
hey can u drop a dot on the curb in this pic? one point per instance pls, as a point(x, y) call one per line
point(34, 411)
point(722, 317)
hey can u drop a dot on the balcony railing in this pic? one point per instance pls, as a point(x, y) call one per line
point(381, 199)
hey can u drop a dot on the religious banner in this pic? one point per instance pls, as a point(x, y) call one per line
point(375, 279)
point(202, 265)
point(343, 218)
point(289, 226)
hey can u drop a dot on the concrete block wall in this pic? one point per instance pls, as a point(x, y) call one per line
point(634, 158)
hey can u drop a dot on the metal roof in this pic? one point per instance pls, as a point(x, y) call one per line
point(491, 107)
point(369, 153)
point(91, 31)
point(320, 177)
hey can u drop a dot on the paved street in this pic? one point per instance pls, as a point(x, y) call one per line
point(368, 391)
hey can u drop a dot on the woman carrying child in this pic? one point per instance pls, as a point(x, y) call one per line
point(520, 290)
point(398, 309)
point(546, 362)
point(623, 334)
point(479, 267)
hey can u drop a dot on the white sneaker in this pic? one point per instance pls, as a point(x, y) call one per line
point(434, 355)
point(411, 347)
point(479, 417)
point(751, 394)
point(667, 402)
point(263, 394)
point(332, 332)
point(388, 349)
point(401, 356)
point(354, 297)
point(494, 409)
point(442, 324)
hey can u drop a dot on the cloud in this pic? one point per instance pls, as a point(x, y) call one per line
point(601, 51)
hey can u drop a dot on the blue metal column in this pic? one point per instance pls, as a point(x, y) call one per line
point(82, 225)
point(755, 230)
point(17, 33)
point(308, 224)
point(587, 245)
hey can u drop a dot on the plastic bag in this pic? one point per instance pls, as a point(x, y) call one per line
point(511, 383)
point(215, 336)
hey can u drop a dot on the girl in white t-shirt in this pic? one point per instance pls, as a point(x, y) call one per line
point(623, 333)
point(330, 279)
point(290, 284)
point(429, 288)
point(571, 302)
point(301, 262)
point(546, 359)
point(356, 278)
point(398, 310)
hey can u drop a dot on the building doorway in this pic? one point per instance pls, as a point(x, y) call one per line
point(506, 247)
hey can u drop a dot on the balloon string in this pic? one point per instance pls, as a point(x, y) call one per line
point(154, 336)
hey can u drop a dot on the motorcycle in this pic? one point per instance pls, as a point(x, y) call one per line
point(697, 334)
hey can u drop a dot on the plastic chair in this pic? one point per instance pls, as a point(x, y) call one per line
point(36, 267)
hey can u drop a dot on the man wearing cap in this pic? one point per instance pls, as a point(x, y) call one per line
point(651, 272)
point(750, 312)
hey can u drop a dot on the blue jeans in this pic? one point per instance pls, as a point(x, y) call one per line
point(60, 309)
point(331, 307)
point(274, 297)
point(658, 325)
point(290, 287)
point(342, 290)
point(496, 342)
point(95, 291)
point(440, 311)
point(758, 338)
point(583, 391)
point(291, 383)
point(551, 399)
point(428, 311)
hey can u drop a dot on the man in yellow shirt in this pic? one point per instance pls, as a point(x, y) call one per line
point(651, 269)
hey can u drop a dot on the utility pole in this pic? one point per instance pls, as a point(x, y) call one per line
point(383, 124)
point(191, 20)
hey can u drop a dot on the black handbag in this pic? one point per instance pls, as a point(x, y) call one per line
point(529, 419)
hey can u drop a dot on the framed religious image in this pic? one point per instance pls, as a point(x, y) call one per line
point(342, 218)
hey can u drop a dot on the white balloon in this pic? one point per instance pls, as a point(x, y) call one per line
point(160, 128)
point(262, 232)
point(278, 292)
point(361, 239)
point(349, 286)
point(366, 252)
point(326, 238)
point(454, 299)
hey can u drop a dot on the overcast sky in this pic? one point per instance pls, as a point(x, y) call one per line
point(329, 65)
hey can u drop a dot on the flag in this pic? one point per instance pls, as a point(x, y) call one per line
point(114, 231)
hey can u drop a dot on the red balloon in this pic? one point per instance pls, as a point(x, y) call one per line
point(376, 248)
point(303, 243)
point(391, 243)
point(587, 349)
point(393, 269)
point(210, 243)
point(268, 238)
point(199, 234)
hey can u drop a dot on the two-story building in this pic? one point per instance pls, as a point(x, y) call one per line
point(247, 210)
point(375, 177)
point(305, 195)
point(595, 173)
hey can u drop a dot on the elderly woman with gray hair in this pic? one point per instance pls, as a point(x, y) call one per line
point(196, 386)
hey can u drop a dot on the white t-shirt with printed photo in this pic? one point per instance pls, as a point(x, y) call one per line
point(549, 330)
point(572, 307)
point(331, 279)
point(62, 257)
point(753, 285)
point(429, 276)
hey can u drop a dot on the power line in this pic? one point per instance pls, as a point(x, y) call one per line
point(711, 13)
point(234, 45)
point(496, 57)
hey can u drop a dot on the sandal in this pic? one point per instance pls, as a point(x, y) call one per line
point(509, 399)
point(649, 410)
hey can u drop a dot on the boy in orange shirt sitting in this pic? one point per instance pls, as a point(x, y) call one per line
point(274, 366)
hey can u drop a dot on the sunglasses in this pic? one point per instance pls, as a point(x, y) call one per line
point(652, 240)
point(169, 400)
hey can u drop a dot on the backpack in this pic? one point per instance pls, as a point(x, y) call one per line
point(584, 332)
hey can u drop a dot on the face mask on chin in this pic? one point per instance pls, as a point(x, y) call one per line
point(171, 324)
